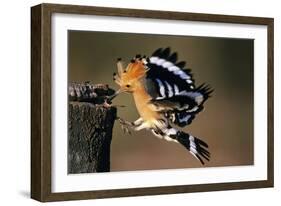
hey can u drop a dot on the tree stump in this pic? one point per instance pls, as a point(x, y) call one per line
point(90, 125)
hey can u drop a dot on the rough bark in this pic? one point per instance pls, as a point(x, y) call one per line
point(90, 133)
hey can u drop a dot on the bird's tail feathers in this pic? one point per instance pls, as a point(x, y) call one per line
point(197, 147)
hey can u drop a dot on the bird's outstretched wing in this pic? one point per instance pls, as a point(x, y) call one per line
point(172, 88)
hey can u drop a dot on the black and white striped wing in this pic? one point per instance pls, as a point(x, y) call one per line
point(172, 88)
point(167, 75)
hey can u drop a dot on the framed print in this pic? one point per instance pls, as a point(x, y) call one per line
point(132, 102)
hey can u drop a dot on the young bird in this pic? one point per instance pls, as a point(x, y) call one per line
point(165, 95)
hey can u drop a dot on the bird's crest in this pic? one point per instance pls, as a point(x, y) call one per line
point(135, 70)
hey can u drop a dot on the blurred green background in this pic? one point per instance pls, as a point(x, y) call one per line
point(226, 124)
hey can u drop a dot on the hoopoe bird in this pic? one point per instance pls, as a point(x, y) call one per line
point(165, 96)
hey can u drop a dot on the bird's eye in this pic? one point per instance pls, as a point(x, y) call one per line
point(128, 86)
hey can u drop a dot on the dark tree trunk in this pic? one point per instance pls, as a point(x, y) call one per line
point(89, 136)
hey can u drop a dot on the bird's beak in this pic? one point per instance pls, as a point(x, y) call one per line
point(115, 94)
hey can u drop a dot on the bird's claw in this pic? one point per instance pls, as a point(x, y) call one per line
point(125, 125)
point(126, 129)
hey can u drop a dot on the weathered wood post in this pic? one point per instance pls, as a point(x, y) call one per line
point(90, 124)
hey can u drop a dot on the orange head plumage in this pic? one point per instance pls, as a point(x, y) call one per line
point(129, 78)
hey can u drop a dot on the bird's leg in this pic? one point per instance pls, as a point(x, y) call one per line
point(138, 122)
point(126, 125)
point(141, 126)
